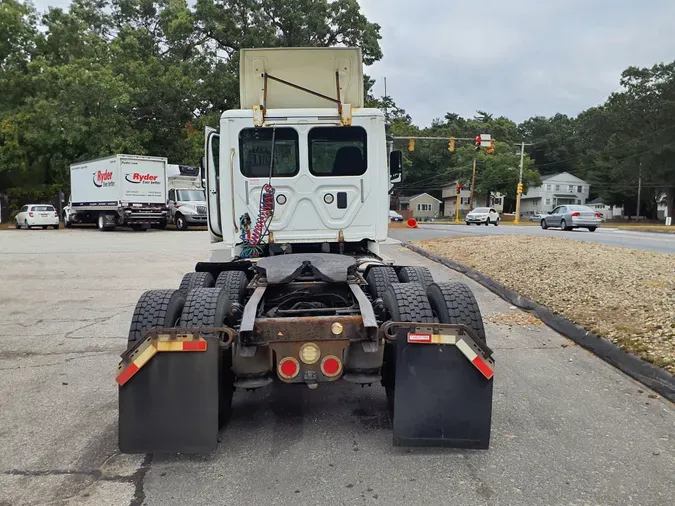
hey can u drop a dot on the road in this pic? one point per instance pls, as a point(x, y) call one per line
point(648, 241)
point(567, 428)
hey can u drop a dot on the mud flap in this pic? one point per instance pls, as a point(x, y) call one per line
point(171, 404)
point(441, 398)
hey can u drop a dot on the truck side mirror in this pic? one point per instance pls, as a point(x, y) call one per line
point(396, 166)
point(202, 171)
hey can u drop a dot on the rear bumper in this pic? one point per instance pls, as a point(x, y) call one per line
point(586, 222)
point(42, 222)
point(145, 216)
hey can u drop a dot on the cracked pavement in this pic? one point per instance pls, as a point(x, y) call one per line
point(567, 428)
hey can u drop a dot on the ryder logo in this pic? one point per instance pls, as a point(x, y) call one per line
point(103, 178)
point(138, 178)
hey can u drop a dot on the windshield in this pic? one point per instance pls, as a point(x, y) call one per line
point(583, 209)
point(43, 208)
point(185, 195)
point(481, 210)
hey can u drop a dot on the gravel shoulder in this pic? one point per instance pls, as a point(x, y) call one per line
point(624, 295)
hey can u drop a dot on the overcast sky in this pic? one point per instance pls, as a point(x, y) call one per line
point(517, 58)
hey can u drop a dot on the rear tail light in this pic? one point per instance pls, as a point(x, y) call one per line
point(331, 366)
point(288, 368)
point(30, 214)
point(598, 215)
point(56, 215)
point(576, 213)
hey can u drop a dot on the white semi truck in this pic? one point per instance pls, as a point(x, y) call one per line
point(186, 199)
point(297, 186)
point(120, 190)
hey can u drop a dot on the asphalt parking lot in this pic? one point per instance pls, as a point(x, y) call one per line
point(567, 428)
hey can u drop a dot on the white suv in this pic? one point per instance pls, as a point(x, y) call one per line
point(482, 215)
point(37, 215)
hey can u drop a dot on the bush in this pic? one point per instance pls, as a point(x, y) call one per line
point(45, 194)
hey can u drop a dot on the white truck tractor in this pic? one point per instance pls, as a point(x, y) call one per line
point(186, 199)
point(297, 187)
point(120, 190)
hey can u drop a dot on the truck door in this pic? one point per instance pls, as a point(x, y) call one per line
point(212, 166)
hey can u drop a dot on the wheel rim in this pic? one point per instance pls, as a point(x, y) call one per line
point(179, 222)
point(563, 224)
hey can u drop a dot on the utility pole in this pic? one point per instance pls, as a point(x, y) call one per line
point(473, 184)
point(637, 217)
point(519, 192)
point(459, 193)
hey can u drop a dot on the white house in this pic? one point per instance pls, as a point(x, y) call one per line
point(556, 190)
point(608, 212)
point(449, 197)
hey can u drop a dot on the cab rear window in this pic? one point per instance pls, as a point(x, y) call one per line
point(337, 151)
point(255, 150)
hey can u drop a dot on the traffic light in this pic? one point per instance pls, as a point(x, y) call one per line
point(411, 145)
point(520, 188)
point(491, 149)
point(477, 143)
point(459, 188)
point(451, 144)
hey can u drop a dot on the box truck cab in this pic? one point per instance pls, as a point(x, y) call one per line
point(186, 199)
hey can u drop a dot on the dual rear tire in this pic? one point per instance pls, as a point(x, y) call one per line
point(199, 308)
point(415, 297)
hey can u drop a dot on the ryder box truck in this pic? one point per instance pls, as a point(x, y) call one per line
point(120, 190)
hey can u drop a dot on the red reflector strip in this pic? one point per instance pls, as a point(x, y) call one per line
point(419, 338)
point(483, 367)
point(194, 346)
point(126, 375)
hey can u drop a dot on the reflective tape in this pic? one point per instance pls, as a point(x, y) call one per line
point(147, 350)
point(484, 365)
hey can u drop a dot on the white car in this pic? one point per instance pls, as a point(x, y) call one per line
point(394, 216)
point(482, 215)
point(37, 215)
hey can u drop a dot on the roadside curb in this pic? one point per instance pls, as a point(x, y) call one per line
point(649, 375)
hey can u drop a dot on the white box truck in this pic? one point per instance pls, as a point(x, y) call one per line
point(187, 199)
point(120, 190)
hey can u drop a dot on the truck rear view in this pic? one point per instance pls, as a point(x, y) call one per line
point(121, 190)
point(297, 189)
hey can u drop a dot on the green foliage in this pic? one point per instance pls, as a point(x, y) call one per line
point(44, 194)
point(139, 76)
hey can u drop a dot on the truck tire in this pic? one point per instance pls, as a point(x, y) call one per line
point(155, 309)
point(194, 280)
point(210, 307)
point(234, 283)
point(420, 275)
point(379, 277)
point(455, 303)
point(405, 302)
point(180, 222)
point(102, 223)
point(138, 228)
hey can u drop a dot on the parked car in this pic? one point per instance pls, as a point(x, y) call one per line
point(394, 216)
point(482, 215)
point(37, 215)
point(570, 217)
point(537, 217)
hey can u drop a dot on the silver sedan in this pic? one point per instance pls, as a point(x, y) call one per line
point(570, 217)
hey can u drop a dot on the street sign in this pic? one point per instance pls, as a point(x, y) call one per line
point(485, 140)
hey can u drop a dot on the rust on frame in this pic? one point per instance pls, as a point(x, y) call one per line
point(308, 328)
